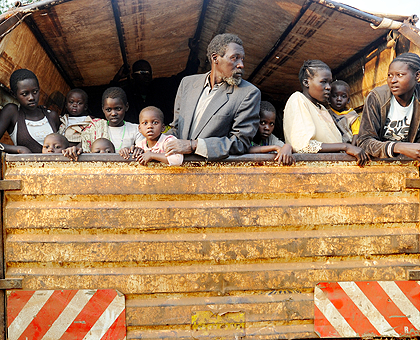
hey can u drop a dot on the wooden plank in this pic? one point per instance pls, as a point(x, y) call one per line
point(10, 283)
point(10, 184)
point(218, 279)
point(215, 247)
point(124, 215)
point(412, 183)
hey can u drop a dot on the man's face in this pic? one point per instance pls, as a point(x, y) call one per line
point(230, 67)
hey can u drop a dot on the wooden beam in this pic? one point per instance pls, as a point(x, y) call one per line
point(412, 183)
point(10, 184)
point(11, 283)
point(120, 32)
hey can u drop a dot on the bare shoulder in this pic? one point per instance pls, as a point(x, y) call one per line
point(9, 113)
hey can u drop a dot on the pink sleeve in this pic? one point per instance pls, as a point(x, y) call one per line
point(175, 159)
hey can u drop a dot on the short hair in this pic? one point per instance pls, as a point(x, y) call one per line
point(114, 92)
point(62, 138)
point(20, 75)
point(104, 140)
point(155, 109)
point(80, 91)
point(309, 69)
point(219, 44)
point(411, 59)
point(267, 106)
point(341, 83)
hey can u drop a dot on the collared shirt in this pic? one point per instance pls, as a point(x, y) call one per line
point(203, 102)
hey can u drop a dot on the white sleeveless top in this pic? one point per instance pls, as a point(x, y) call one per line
point(37, 129)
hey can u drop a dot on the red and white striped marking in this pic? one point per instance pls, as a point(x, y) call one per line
point(66, 315)
point(375, 308)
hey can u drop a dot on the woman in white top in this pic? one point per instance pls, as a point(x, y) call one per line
point(27, 123)
point(307, 125)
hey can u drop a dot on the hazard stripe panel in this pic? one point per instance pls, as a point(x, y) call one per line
point(366, 309)
point(66, 314)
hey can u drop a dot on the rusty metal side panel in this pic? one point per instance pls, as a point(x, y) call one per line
point(211, 251)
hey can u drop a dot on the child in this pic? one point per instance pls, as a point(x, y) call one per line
point(102, 145)
point(76, 118)
point(27, 124)
point(347, 121)
point(55, 143)
point(391, 114)
point(151, 126)
point(264, 141)
point(122, 134)
point(307, 125)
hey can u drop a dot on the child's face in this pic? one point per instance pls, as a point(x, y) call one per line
point(267, 123)
point(114, 110)
point(401, 79)
point(76, 104)
point(102, 146)
point(339, 97)
point(53, 144)
point(150, 125)
point(28, 93)
point(319, 86)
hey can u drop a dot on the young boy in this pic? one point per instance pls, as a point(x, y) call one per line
point(102, 145)
point(264, 141)
point(347, 121)
point(55, 143)
point(153, 147)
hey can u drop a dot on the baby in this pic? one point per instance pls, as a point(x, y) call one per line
point(55, 143)
point(347, 121)
point(102, 145)
point(153, 146)
point(264, 141)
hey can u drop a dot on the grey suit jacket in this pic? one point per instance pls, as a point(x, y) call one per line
point(228, 124)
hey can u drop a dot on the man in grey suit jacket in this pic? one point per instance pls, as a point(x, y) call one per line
point(216, 114)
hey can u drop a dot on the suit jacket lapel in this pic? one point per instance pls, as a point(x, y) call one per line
point(195, 92)
point(220, 98)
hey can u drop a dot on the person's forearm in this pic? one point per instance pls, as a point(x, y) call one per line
point(160, 157)
point(12, 148)
point(333, 147)
point(263, 149)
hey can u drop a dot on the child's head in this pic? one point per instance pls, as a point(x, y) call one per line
point(114, 106)
point(54, 143)
point(315, 78)
point(25, 86)
point(151, 123)
point(76, 102)
point(340, 95)
point(267, 120)
point(403, 74)
point(102, 145)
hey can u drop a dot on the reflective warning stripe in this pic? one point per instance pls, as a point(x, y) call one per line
point(357, 309)
point(66, 314)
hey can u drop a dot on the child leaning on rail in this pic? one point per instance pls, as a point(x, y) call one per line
point(153, 147)
point(391, 114)
point(264, 141)
point(347, 120)
point(121, 133)
point(307, 124)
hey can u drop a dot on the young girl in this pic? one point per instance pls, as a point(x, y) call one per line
point(391, 114)
point(153, 146)
point(27, 123)
point(264, 141)
point(102, 145)
point(121, 133)
point(307, 125)
point(76, 119)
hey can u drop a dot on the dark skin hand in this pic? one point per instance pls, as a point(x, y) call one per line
point(411, 150)
point(361, 156)
point(72, 152)
point(132, 151)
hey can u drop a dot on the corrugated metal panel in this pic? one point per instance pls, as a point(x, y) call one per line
point(210, 251)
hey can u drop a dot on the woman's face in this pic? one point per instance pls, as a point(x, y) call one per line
point(319, 86)
point(401, 80)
